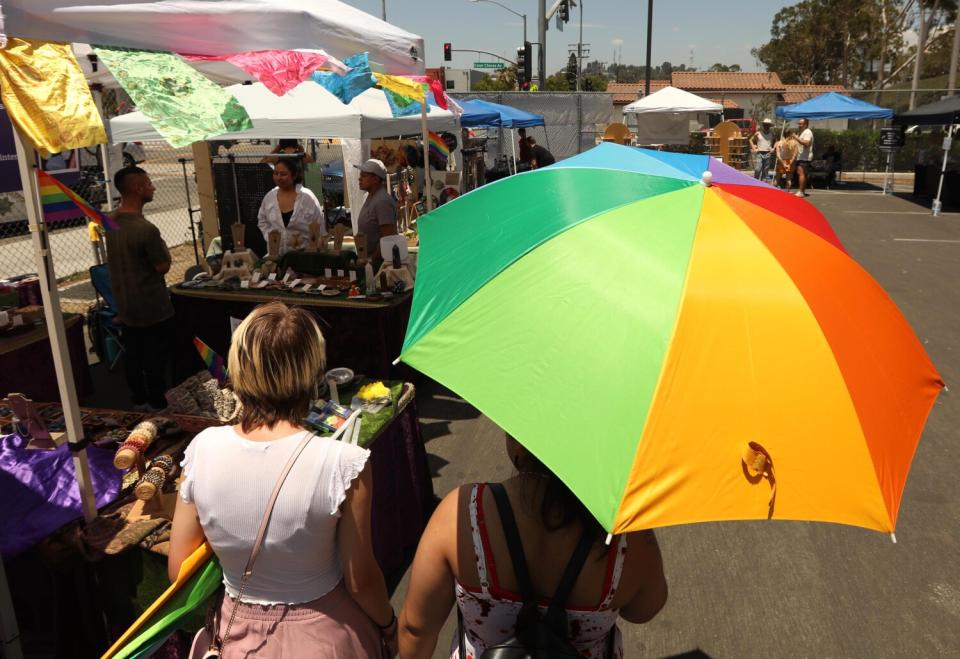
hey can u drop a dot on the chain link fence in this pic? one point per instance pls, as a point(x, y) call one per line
point(172, 173)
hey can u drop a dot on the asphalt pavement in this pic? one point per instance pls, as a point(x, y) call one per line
point(797, 589)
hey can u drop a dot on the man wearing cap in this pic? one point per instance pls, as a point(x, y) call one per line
point(378, 216)
point(761, 143)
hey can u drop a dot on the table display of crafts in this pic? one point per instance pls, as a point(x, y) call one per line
point(372, 405)
point(241, 269)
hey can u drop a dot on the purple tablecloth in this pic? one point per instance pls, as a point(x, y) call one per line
point(39, 492)
point(403, 498)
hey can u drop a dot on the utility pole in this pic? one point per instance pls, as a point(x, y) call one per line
point(646, 84)
point(542, 39)
point(580, 50)
point(954, 56)
point(383, 10)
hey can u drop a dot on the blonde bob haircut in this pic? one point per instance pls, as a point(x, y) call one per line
point(276, 358)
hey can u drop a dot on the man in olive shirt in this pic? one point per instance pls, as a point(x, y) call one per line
point(378, 215)
point(138, 259)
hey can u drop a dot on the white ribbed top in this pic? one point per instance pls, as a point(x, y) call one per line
point(230, 479)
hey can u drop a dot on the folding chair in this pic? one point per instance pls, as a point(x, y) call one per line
point(105, 313)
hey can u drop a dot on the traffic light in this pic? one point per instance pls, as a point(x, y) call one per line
point(522, 65)
point(525, 61)
point(447, 52)
point(564, 10)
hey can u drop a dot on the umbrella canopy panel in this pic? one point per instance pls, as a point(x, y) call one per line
point(639, 333)
point(833, 105)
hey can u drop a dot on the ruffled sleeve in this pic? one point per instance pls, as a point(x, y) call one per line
point(187, 465)
point(350, 463)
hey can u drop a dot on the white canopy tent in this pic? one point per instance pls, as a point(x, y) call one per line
point(664, 116)
point(307, 111)
point(219, 27)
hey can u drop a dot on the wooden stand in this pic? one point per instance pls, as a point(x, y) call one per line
point(313, 245)
point(27, 417)
point(160, 506)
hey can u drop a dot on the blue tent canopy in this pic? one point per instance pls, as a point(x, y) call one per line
point(833, 106)
point(484, 114)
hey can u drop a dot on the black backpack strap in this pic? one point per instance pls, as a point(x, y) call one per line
point(570, 575)
point(512, 536)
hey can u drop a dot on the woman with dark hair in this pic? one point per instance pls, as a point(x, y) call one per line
point(316, 589)
point(290, 207)
point(463, 559)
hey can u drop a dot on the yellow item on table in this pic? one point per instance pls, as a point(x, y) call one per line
point(47, 97)
point(373, 391)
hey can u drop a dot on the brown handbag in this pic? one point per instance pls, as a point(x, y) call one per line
point(209, 635)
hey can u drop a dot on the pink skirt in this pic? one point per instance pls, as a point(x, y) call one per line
point(332, 626)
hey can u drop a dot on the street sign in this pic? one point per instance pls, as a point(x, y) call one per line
point(489, 65)
point(891, 139)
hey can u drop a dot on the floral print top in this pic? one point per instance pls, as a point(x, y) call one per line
point(489, 612)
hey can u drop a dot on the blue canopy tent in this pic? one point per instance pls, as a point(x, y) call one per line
point(833, 106)
point(478, 113)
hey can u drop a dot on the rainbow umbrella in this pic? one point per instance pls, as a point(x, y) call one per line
point(199, 578)
point(678, 342)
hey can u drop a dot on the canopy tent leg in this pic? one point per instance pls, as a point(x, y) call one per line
point(513, 142)
point(947, 143)
point(26, 159)
point(888, 175)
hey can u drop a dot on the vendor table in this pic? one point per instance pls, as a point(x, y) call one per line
point(122, 585)
point(364, 336)
point(26, 361)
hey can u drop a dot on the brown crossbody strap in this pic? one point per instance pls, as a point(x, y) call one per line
point(261, 533)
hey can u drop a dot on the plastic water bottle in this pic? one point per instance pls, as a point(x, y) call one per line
point(368, 278)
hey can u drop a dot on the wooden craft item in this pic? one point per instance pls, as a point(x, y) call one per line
point(338, 232)
point(297, 239)
point(152, 482)
point(237, 230)
point(26, 416)
point(273, 245)
point(136, 443)
point(313, 245)
point(161, 506)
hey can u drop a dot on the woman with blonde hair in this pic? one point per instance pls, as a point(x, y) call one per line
point(315, 588)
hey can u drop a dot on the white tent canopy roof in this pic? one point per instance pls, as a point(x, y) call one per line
point(307, 111)
point(671, 99)
point(219, 27)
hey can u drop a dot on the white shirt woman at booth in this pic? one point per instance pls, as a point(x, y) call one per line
point(289, 207)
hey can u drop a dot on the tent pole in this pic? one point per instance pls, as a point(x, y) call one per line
point(26, 159)
point(513, 143)
point(943, 171)
point(427, 187)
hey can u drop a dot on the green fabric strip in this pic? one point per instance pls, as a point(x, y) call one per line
point(466, 243)
point(192, 597)
point(182, 104)
point(564, 348)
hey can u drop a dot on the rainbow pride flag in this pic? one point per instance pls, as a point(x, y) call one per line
point(61, 203)
point(214, 362)
point(437, 146)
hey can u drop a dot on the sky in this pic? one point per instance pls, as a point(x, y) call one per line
point(706, 31)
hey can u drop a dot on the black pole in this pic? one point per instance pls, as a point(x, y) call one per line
point(186, 187)
point(646, 86)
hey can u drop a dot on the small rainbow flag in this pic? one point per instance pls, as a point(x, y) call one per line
point(61, 203)
point(214, 362)
point(438, 147)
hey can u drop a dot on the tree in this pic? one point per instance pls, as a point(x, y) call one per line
point(725, 68)
point(666, 70)
point(504, 81)
point(594, 83)
point(556, 83)
point(572, 71)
